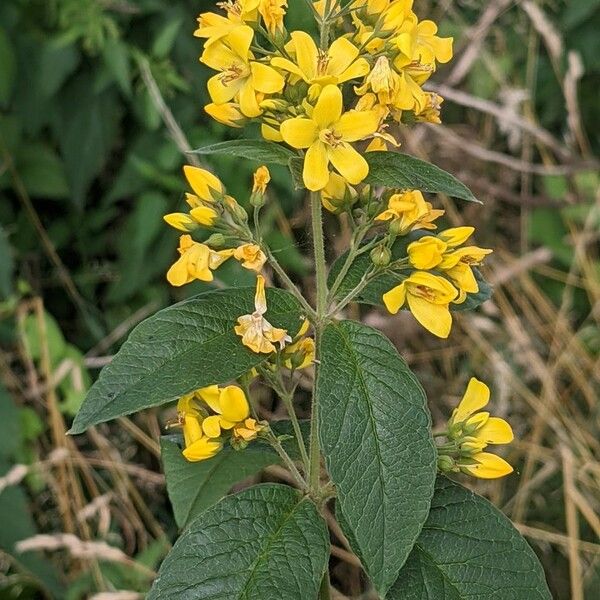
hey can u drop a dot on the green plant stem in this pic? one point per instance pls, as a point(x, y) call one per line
point(325, 26)
point(321, 281)
point(319, 250)
point(289, 463)
point(289, 405)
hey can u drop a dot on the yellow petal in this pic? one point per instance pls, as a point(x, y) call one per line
point(192, 430)
point(427, 252)
point(306, 54)
point(359, 68)
point(204, 183)
point(350, 164)
point(240, 40)
point(477, 395)
point(395, 298)
point(211, 426)
point(328, 108)
point(489, 466)
point(211, 395)
point(299, 132)
point(204, 215)
point(178, 274)
point(356, 125)
point(266, 79)
point(286, 65)
point(260, 298)
point(221, 93)
point(456, 235)
point(248, 101)
point(342, 53)
point(436, 318)
point(496, 431)
point(181, 221)
point(219, 57)
point(234, 405)
point(316, 167)
point(228, 114)
point(203, 449)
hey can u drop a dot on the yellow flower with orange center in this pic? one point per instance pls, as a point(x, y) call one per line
point(428, 297)
point(327, 135)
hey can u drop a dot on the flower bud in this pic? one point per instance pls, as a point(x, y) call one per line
point(446, 464)
point(381, 256)
point(216, 240)
point(238, 212)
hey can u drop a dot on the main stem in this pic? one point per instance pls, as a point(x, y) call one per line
point(321, 282)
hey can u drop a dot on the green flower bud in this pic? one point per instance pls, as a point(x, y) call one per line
point(216, 240)
point(446, 464)
point(381, 256)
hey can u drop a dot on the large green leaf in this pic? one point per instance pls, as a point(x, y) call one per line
point(395, 170)
point(266, 543)
point(373, 293)
point(193, 487)
point(258, 150)
point(182, 348)
point(375, 431)
point(469, 550)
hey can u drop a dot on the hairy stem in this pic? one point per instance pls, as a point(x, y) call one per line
point(321, 280)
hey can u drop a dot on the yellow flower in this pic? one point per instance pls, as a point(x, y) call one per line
point(430, 113)
point(205, 216)
point(337, 194)
point(247, 430)
point(485, 465)
point(427, 252)
point(215, 27)
point(273, 12)
point(327, 134)
point(340, 63)
point(428, 297)
point(227, 114)
point(470, 431)
point(409, 211)
point(262, 177)
point(230, 405)
point(197, 446)
point(206, 186)
point(256, 332)
point(240, 76)
point(196, 262)
point(300, 354)
point(251, 257)
point(457, 263)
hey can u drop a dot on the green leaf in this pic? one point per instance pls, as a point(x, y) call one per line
point(42, 171)
point(469, 550)
point(266, 542)
point(6, 266)
point(117, 59)
point(258, 150)
point(8, 70)
point(395, 170)
point(375, 431)
point(193, 487)
point(373, 293)
point(10, 426)
point(180, 349)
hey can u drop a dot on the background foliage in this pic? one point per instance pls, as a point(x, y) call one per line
point(97, 98)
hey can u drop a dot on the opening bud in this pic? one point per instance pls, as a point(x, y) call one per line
point(381, 256)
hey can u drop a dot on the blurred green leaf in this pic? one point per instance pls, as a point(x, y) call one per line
point(10, 426)
point(117, 59)
point(42, 172)
point(54, 338)
point(163, 43)
point(8, 69)
point(7, 266)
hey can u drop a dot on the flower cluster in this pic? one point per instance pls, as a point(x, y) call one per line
point(323, 99)
point(468, 434)
point(210, 414)
point(443, 275)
